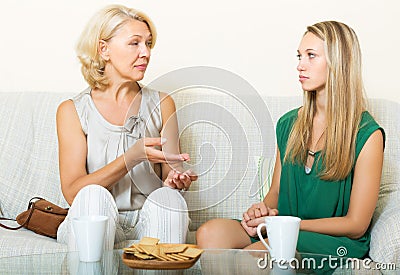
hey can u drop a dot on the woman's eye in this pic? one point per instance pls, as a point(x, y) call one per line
point(311, 55)
point(134, 43)
point(149, 43)
point(298, 56)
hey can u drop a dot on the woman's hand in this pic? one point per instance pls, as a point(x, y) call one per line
point(180, 180)
point(155, 155)
point(255, 216)
point(146, 149)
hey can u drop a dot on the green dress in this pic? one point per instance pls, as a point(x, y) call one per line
point(308, 197)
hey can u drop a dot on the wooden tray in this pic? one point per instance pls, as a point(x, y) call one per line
point(134, 262)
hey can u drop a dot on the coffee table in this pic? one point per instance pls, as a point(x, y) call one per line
point(212, 261)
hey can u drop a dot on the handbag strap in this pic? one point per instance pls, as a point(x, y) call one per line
point(31, 205)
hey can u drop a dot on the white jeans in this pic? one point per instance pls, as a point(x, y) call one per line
point(164, 215)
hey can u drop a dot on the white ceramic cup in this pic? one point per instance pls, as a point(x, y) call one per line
point(89, 234)
point(282, 232)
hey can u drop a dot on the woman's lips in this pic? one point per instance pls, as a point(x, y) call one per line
point(141, 67)
point(302, 78)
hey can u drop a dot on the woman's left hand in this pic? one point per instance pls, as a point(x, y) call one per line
point(180, 180)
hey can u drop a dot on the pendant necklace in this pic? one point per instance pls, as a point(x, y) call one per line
point(312, 154)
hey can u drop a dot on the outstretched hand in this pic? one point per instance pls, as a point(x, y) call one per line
point(149, 149)
point(146, 149)
point(157, 156)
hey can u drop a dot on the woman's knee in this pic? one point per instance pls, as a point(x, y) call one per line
point(92, 188)
point(207, 231)
point(94, 199)
point(222, 233)
point(168, 198)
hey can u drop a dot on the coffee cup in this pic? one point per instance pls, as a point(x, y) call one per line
point(89, 234)
point(282, 232)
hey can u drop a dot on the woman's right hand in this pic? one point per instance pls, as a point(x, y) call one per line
point(255, 216)
point(145, 149)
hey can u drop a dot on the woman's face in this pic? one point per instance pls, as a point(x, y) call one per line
point(128, 52)
point(312, 65)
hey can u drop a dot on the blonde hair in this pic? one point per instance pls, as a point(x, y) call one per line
point(103, 26)
point(345, 104)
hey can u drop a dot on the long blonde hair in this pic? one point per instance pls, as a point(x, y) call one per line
point(345, 104)
point(103, 26)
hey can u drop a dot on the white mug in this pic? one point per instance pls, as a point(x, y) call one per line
point(89, 234)
point(282, 232)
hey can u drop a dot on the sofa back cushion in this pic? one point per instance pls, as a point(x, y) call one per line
point(226, 136)
point(385, 232)
point(28, 150)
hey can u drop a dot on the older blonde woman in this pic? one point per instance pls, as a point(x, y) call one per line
point(118, 140)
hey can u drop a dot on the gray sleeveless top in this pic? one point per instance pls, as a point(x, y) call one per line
point(105, 142)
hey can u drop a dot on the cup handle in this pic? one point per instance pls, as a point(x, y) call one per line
point(261, 225)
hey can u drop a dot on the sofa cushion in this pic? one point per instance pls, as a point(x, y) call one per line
point(265, 170)
point(385, 232)
point(26, 242)
point(28, 150)
point(385, 236)
point(223, 136)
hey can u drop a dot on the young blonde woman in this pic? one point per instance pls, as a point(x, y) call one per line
point(329, 156)
point(118, 140)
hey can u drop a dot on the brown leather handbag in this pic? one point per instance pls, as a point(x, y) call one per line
point(42, 217)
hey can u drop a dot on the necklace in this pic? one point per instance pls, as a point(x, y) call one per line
point(312, 153)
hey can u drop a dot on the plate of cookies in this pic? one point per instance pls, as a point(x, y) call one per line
point(150, 254)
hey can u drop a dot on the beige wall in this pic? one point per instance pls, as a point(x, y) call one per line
point(256, 39)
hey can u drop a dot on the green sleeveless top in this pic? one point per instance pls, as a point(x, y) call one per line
point(308, 197)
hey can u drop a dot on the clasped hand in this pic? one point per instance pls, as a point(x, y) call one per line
point(255, 216)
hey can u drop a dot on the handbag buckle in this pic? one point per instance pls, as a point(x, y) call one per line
point(49, 208)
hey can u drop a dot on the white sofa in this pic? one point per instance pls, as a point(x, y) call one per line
point(229, 146)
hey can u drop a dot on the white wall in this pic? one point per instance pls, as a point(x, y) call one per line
point(256, 39)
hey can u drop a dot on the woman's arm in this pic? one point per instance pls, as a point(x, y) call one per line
point(364, 195)
point(169, 131)
point(271, 199)
point(172, 173)
point(73, 153)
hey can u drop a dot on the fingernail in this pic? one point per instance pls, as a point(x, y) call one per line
point(163, 140)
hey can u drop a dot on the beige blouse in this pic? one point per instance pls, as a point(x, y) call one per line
point(105, 142)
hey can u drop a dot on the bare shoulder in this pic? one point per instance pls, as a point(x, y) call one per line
point(375, 142)
point(371, 155)
point(66, 107)
point(166, 99)
point(67, 117)
point(167, 103)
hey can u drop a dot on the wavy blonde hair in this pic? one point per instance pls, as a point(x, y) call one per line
point(345, 103)
point(103, 26)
